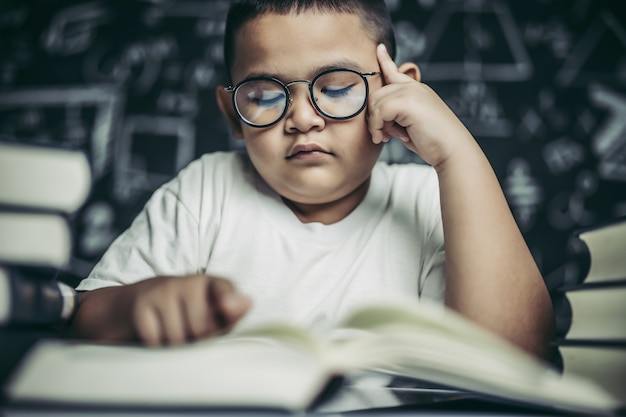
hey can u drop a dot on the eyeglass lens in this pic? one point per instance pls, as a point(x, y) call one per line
point(336, 94)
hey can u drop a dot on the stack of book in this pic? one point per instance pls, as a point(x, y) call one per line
point(40, 189)
point(591, 307)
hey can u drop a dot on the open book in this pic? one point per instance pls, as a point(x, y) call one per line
point(282, 367)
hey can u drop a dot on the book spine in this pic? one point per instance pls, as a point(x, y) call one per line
point(27, 301)
point(573, 271)
point(562, 314)
point(593, 313)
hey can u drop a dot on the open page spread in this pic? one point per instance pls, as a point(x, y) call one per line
point(280, 366)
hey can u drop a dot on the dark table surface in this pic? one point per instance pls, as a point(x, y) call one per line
point(14, 344)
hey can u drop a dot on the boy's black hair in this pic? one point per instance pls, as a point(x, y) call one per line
point(373, 13)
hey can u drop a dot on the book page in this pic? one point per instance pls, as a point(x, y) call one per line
point(280, 366)
point(222, 372)
point(598, 314)
point(43, 177)
point(606, 248)
point(433, 344)
point(430, 343)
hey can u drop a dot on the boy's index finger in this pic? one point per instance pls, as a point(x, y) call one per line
point(227, 303)
point(388, 67)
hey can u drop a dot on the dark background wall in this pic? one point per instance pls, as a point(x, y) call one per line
point(540, 83)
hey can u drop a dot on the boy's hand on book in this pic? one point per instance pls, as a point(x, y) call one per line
point(174, 310)
point(409, 110)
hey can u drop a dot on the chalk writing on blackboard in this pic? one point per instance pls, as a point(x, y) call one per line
point(523, 191)
point(599, 56)
point(61, 113)
point(609, 142)
point(492, 50)
point(137, 168)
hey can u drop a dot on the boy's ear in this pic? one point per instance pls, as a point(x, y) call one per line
point(224, 101)
point(411, 69)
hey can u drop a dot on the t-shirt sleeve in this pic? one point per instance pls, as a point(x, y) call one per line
point(433, 275)
point(162, 240)
point(418, 231)
point(433, 278)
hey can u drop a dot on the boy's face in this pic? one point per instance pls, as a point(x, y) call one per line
point(305, 157)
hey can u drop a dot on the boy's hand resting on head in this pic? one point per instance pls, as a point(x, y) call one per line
point(491, 276)
point(411, 111)
point(165, 310)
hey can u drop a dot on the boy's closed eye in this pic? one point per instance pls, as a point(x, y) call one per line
point(265, 98)
point(337, 91)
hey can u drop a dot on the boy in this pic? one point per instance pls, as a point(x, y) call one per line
point(307, 223)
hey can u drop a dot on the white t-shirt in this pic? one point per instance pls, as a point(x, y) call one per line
point(219, 217)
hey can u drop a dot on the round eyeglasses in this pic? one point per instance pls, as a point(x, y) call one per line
point(338, 93)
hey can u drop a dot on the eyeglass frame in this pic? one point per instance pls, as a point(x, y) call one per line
point(310, 83)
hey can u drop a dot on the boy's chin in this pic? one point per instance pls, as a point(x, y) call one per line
point(311, 199)
point(316, 195)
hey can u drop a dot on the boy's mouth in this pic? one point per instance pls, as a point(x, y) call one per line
point(307, 149)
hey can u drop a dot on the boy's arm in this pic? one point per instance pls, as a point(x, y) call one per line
point(181, 303)
point(160, 311)
point(491, 277)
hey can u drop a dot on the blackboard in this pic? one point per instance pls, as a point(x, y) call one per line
point(540, 83)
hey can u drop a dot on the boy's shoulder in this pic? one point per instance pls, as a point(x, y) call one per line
point(408, 183)
point(213, 170)
point(217, 162)
point(223, 159)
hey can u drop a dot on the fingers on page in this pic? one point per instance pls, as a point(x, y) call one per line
point(228, 305)
point(173, 321)
point(148, 326)
point(199, 316)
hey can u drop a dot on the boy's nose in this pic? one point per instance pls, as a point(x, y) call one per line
point(302, 115)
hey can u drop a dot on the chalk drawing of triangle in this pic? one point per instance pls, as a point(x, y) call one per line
point(474, 40)
point(599, 56)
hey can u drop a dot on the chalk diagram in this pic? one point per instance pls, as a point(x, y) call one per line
point(137, 168)
point(542, 87)
point(596, 66)
point(76, 117)
point(523, 191)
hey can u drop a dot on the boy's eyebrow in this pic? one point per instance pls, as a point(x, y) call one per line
point(344, 63)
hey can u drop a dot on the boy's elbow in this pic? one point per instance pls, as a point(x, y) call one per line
point(543, 346)
point(535, 331)
point(526, 322)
